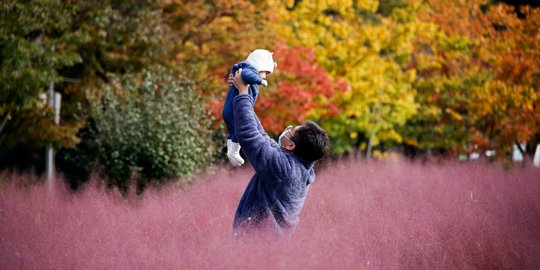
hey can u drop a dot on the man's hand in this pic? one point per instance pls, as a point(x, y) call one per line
point(237, 81)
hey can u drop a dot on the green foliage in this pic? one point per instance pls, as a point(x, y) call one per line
point(444, 121)
point(387, 6)
point(45, 41)
point(151, 123)
point(124, 35)
point(34, 44)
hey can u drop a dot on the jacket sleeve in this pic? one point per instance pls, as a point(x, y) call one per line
point(259, 148)
point(234, 68)
point(251, 76)
point(272, 142)
point(228, 114)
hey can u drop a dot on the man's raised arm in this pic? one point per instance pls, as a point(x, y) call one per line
point(258, 147)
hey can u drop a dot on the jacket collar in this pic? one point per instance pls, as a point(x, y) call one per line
point(307, 164)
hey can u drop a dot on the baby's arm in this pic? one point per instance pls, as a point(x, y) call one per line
point(251, 76)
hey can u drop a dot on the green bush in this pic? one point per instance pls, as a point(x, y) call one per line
point(151, 123)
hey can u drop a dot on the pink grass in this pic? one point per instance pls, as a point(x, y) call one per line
point(358, 214)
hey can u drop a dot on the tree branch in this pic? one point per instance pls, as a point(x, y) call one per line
point(295, 4)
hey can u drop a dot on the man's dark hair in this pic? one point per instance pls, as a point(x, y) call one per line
point(311, 141)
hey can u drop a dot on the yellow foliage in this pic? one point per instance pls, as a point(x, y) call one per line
point(370, 54)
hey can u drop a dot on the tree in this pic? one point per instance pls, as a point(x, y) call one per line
point(35, 42)
point(476, 84)
point(370, 52)
point(152, 123)
point(208, 37)
point(302, 90)
point(43, 42)
point(515, 86)
point(220, 33)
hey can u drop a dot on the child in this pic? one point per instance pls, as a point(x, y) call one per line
point(257, 66)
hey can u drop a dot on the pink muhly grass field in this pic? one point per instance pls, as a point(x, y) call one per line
point(358, 214)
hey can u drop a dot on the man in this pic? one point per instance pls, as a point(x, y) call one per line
point(275, 195)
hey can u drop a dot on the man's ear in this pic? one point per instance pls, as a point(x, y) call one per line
point(290, 146)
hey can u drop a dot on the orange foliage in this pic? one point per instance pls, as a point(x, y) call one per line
point(301, 87)
point(502, 50)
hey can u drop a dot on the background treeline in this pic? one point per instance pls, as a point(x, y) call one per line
point(143, 82)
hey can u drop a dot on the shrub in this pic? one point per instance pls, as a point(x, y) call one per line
point(152, 124)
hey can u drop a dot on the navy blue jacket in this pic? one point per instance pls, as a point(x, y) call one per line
point(251, 76)
point(275, 195)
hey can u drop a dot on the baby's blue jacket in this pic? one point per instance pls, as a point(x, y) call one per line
point(251, 76)
point(276, 193)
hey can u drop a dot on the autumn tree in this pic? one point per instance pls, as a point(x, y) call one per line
point(476, 84)
point(368, 50)
point(208, 37)
point(300, 89)
point(206, 43)
point(514, 43)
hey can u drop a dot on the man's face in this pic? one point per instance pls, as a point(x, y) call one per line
point(288, 133)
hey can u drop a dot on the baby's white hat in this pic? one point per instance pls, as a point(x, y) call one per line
point(262, 60)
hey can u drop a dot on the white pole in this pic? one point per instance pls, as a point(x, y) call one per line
point(536, 160)
point(57, 103)
point(516, 154)
point(49, 155)
point(49, 152)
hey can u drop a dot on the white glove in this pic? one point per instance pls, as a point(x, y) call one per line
point(264, 82)
point(233, 153)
